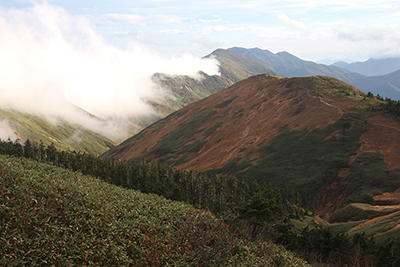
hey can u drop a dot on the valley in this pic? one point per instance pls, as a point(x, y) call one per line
point(256, 130)
point(198, 133)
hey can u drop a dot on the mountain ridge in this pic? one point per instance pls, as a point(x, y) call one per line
point(291, 66)
point(371, 67)
point(200, 132)
point(315, 134)
point(233, 68)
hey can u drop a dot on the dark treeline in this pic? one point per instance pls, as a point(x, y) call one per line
point(268, 211)
point(392, 107)
point(338, 249)
point(216, 193)
point(388, 105)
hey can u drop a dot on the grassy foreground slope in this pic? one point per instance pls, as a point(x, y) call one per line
point(52, 216)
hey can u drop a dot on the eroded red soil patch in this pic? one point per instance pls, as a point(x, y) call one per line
point(330, 198)
point(388, 198)
point(373, 221)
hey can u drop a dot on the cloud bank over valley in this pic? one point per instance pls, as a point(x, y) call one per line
point(55, 64)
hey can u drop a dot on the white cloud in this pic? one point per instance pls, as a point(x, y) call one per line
point(222, 28)
point(382, 40)
point(211, 20)
point(134, 19)
point(293, 24)
point(253, 30)
point(353, 32)
point(173, 31)
point(168, 19)
point(51, 61)
point(125, 18)
point(6, 131)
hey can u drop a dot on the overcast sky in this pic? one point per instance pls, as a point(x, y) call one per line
point(309, 29)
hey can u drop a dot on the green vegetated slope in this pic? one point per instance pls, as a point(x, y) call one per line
point(360, 218)
point(309, 160)
point(63, 134)
point(360, 212)
point(381, 224)
point(52, 216)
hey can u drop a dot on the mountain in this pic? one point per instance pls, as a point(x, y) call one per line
point(292, 66)
point(318, 135)
point(331, 61)
point(185, 90)
point(385, 85)
point(371, 67)
point(233, 68)
point(63, 134)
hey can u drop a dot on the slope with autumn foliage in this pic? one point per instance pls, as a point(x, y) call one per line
point(318, 135)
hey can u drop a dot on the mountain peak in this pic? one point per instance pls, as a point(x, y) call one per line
point(307, 133)
point(240, 117)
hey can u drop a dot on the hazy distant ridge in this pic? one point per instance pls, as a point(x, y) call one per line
point(291, 66)
point(372, 67)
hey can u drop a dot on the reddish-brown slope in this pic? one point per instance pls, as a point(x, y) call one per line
point(260, 122)
point(260, 108)
point(268, 104)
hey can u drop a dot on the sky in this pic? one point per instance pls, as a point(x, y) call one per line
point(310, 29)
point(52, 61)
point(99, 55)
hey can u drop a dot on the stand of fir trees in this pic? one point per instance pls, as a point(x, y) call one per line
point(388, 105)
point(268, 211)
point(215, 193)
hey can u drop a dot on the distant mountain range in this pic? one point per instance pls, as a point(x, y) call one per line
point(233, 68)
point(371, 67)
point(239, 63)
point(291, 66)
